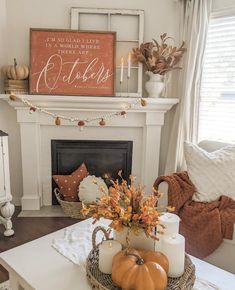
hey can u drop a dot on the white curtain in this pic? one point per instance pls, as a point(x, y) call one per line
point(195, 19)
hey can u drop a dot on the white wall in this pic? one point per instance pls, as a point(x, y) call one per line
point(160, 17)
point(3, 32)
point(8, 117)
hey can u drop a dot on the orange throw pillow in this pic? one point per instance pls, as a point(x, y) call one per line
point(69, 184)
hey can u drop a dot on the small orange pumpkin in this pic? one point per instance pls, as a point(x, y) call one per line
point(140, 270)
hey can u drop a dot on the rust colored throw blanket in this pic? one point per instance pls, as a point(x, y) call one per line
point(204, 225)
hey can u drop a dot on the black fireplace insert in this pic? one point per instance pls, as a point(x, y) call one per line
point(100, 157)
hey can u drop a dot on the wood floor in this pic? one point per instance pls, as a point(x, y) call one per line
point(28, 229)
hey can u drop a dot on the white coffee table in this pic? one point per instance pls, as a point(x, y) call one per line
point(37, 266)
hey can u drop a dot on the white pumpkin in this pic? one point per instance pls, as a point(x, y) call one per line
point(16, 72)
point(89, 189)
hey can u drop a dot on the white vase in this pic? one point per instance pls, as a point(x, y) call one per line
point(155, 85)
point(140, 241)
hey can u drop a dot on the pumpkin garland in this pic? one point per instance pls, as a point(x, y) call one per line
point(81, 123)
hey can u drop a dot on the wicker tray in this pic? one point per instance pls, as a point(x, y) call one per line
point(101, 281)
point(70, 208)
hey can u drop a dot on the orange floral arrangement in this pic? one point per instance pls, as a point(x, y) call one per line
point(127, 206)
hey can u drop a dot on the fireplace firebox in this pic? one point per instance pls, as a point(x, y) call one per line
point(100, 157)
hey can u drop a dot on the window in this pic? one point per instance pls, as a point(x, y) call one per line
point(129, 26)
point(217, 94)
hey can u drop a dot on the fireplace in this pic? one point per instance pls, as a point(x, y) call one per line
point(142, 126)
point(100, 157)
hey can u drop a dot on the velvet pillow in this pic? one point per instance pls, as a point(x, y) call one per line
point(68, 184)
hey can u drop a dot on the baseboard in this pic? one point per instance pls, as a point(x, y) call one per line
point(31, 203)
point(45, 211)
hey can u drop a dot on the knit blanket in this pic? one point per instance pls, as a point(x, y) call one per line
point(204, 225)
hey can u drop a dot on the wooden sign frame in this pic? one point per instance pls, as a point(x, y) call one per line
point(72, 62)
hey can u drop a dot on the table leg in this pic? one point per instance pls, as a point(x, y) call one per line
point(14, 283)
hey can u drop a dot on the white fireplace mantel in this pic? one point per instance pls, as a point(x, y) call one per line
point(81, 103)
point(142, 126)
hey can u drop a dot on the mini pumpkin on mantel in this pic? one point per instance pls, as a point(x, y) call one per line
point(140, 270)
point(16, 71)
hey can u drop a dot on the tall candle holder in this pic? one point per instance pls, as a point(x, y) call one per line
point(121, 88)
point(128, 79)
point(128, 71)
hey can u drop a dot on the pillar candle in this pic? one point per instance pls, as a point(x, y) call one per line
point(122, 68)
point(129, 65)
point(107, 250)
point(171, 222)
point(173, 246)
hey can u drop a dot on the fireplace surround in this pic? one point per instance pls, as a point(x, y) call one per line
point(142, 126)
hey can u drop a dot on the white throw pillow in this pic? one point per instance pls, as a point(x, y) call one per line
point(213, 174)
point(89, 189)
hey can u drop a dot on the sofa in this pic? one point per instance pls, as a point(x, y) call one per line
point(224, 255)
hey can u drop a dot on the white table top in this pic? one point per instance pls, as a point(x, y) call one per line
point(42, 268)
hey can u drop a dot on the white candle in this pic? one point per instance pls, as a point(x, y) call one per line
point(107, 250)
point(171, 222)
point(122, 69)
point(173, 246)
point(129, 65)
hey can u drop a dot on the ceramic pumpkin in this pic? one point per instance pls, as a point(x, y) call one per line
point(16, 72)
point(140, 270)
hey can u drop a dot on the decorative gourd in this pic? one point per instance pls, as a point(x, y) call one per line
point(140, 270)
point(16, 72)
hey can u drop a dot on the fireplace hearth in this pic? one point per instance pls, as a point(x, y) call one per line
point(100, 157)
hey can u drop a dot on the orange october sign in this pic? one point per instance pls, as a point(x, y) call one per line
point(72, 62)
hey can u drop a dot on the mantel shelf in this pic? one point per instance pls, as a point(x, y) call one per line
point(91, 103)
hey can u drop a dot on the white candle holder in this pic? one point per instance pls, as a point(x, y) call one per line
point(128, 79)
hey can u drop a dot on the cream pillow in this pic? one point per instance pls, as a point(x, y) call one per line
point(89, 189)
point(213, 174)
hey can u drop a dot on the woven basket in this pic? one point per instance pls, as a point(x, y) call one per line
point(101, 281)
point(70, 208)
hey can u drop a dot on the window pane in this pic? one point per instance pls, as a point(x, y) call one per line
point(217, 95)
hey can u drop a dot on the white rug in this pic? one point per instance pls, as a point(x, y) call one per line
point(45, 211)
point(76, 244)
